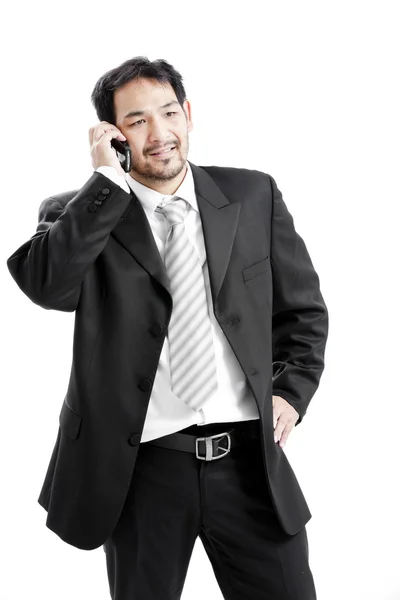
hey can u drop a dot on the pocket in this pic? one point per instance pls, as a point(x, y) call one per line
point(254, 270)
point(70, 421)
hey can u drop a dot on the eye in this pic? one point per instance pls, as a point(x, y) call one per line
point(136, 122)
point(131, 125)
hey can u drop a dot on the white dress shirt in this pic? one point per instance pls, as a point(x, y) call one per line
point(233, 400)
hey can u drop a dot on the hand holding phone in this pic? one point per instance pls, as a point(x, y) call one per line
point(106, 141)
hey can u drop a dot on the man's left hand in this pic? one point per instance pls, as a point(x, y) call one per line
point(285, 418)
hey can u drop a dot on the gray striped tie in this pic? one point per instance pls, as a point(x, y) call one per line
point(192, 358)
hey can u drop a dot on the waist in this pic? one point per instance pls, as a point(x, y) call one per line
point(220, 427)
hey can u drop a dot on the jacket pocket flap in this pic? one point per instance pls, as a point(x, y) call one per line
point(259, 267)
point(70, 421)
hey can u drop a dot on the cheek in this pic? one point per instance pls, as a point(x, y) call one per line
point(182, 140)
point(137, 151)
point(137, 145)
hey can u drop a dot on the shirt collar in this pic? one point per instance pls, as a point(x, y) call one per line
point(150, 198)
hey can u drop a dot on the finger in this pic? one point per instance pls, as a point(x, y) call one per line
point(276, 413)
point(94, 135)
point(107, 128)
point(113, 133)
point(280, 426)
point(98, 130)
point(290, 424)
point(284, 436)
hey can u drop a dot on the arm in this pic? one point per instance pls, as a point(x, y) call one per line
point(111, 173)
point(50, 267)
point(299, 316)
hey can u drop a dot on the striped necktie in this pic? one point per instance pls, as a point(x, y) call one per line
point(191, 350)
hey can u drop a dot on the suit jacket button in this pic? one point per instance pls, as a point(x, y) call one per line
point(134, 440)
point(92, 208)
point(157, 329)
point(105, 191)
point(145, 384)
point(101, 196)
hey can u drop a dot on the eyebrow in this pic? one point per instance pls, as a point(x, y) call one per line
point(138, 113)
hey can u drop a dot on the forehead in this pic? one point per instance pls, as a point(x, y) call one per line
point(141, 96)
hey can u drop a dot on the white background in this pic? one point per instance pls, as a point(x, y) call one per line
point(305, 91)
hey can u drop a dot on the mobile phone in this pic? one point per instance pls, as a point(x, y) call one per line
point(123, 153)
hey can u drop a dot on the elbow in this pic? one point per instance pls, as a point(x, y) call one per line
point(50, 297)
point(65, 300)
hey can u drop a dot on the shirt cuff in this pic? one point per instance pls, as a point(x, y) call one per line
point(112, 174)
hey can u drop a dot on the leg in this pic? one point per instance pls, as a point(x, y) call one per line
point(252, 557)
point(149, 551)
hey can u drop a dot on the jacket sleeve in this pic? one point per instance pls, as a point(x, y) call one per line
point(50, 267)
point(299, 315)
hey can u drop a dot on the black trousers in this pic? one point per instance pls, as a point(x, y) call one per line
point(174, 497)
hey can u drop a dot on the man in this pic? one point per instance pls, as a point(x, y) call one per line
point(199, 341)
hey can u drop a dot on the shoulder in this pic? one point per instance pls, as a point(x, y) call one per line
point(60, 199)
point(235, 173)
point(235, 179)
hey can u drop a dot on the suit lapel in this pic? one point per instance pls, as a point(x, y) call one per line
point(219, 220)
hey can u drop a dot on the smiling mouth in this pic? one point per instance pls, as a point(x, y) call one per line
point(164, 153)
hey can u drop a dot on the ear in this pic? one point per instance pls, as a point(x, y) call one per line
point(188, 111)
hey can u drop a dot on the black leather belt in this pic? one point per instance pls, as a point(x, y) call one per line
point(214, 446)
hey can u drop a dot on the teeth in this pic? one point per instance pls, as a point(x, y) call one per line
point(164, 151)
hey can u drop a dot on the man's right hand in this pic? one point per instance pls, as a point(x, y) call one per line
point(103, 154)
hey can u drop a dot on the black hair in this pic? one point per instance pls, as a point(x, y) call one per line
point(102, 96)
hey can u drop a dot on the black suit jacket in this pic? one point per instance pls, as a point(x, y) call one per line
point(94, 253)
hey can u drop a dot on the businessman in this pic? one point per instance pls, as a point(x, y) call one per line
point(199, 341)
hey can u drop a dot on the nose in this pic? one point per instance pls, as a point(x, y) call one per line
point(157, 135)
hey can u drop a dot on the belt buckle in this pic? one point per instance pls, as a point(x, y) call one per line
point(209, 446)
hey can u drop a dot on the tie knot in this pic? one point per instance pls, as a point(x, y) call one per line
point(174, 210)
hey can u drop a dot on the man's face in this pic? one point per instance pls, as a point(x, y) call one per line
point(158, 126)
